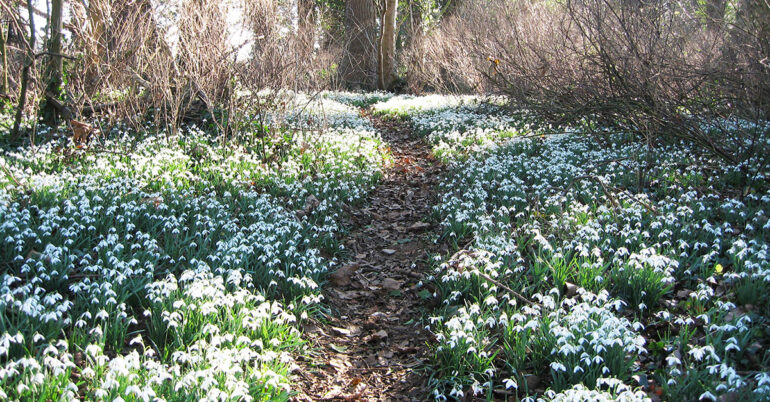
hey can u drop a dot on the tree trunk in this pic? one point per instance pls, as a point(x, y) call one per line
point(25, 72)
point(387, 51)
point(54, 68)
point(358, 65)
point(4, 59)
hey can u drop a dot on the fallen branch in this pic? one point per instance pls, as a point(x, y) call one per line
point(60, 107)
point(68, 113)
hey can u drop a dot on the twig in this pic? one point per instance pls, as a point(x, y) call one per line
point(489, 278)
point(506, 288)
point(608, 161)
point(10, 175)
point(64, 56)
point(609, 193)
point(107, 151)
point(640, 202)
point(596, 179)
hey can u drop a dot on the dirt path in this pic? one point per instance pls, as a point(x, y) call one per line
point(374, 340)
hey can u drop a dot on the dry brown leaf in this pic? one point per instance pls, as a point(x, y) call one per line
point(156, 201)
point(311, 203)
point(341, 277)
point(390, 284)
point(419, 226)
point(81, 132)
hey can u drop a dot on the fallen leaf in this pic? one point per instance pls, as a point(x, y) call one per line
point(389, 251)
point(407, 349)
point(347, 295)
point(338, 349)
point(377, 336)
point(82, 132)
point(156, 201)
point(735, 313)
point(333, 393)
point(341, 277)
point(375, 317)
point(381, 334)
point(416, 227)
point(341, 331)
point(311, 203)
point(338, 364)
point(351, 397)
point(390, 284)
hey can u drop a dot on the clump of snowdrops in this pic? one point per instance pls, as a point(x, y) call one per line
point(173, 266)
point(597, 267)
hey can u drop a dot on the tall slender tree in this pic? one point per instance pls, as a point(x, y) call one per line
point(30, 60)
point(387, 49)
point(54, 66)
point(4, 60)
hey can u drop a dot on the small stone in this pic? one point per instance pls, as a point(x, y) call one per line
point(389, 251)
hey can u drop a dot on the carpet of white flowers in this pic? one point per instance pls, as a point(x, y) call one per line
point(456, 126)
point(641, 274)
point(174, 266)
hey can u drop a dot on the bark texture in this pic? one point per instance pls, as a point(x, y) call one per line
point(358, 67)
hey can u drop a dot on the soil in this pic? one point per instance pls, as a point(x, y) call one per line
point(373, 345)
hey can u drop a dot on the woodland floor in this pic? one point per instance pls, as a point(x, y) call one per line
point(373, 345)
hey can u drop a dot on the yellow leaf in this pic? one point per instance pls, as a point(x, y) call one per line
point(718, 268)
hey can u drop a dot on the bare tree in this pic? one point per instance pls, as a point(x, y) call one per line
point(387, 50)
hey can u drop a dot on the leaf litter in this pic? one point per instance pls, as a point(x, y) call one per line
point(373, 340)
